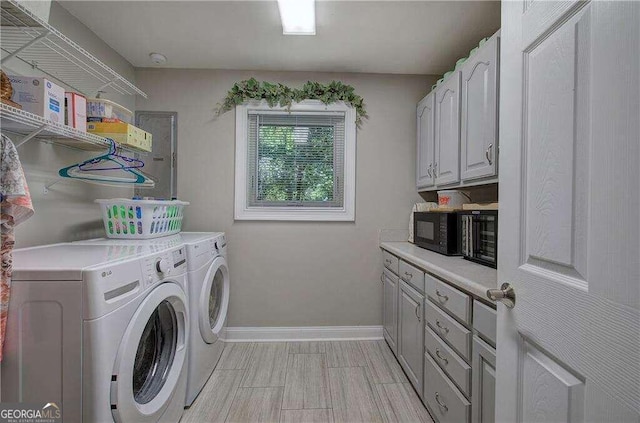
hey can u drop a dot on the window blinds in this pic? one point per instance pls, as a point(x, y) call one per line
point(296, 160)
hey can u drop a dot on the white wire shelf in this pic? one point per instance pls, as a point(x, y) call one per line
point(27, 37)
point(30, 126)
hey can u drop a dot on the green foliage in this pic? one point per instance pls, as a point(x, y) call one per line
point(283, 96)
point(290, 170)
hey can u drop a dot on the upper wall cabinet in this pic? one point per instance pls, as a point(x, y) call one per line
point(479, 137)
point(447, 131)
point(424, 165)
point(457, 132)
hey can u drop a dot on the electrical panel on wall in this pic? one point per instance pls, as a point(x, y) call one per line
point(161, 163)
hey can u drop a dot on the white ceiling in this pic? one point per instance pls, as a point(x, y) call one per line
point(403, 37)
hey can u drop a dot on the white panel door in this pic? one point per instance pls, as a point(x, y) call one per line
point(447, 131)
point(569, 351)
point(411, 334)
point(425, 145)
point(390, 309)
point(479, 120)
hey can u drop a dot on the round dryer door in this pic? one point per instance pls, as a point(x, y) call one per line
point(214, 300)
point(151, 356)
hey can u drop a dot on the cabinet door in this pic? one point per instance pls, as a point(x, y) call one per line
point(425, 147)
point(483, 395)
point(479, 137)
point(447, 131)
point(390, 310)
point(411, 334)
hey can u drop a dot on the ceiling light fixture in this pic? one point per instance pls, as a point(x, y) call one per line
point(298, 17)
point(158, 58)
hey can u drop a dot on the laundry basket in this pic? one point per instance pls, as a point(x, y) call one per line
point(141, 219)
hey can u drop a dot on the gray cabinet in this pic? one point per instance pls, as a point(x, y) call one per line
point(457, 125)
point(479, 113)
point(390, 309)
point(447, 131)
point(483, 396)
point(425, 144)
point(411, 333)
point(444, 339)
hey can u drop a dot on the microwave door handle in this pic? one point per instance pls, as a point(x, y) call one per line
point(471, 230)
point(465, 234)
point(469, 236)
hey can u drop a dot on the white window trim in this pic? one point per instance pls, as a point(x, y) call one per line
point(345, 213)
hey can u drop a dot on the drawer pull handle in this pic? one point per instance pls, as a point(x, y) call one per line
point(442, 328)
point(382, 278)
point(409, 275)
point(443, 298)
point(438, 354)
point(440, 403)
point(417, 312)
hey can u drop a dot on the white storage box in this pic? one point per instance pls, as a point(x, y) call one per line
point(76, 111)
point(101, 108)
point(39, 96)
point(141, 219)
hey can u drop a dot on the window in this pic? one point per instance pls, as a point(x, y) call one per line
point(297, 164)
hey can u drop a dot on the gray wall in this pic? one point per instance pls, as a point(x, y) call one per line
point(67, 212)
point(295, 273)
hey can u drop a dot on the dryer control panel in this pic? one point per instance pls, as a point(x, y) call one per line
point(164, 265)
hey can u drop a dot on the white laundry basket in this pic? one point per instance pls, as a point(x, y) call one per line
point(141, 219)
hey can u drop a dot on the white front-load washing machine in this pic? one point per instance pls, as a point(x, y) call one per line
point(208, 281)
point(104, 337)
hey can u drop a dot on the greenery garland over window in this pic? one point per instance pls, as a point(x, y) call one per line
point(283, 96)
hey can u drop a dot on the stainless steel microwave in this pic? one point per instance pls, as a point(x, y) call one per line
point(436, 231)
point(479, 236)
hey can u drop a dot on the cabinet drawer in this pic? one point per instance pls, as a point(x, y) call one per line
point(449, 361)
point(390, 261)
point(456, 335)
point(445, 400)
point(412, 275)
point(453, 300)
point(484, 321)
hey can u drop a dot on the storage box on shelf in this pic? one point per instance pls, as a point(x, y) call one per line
point(122, 133)
point(457, 357)
point(28, 38)
point(31, 126)
point(457, 132)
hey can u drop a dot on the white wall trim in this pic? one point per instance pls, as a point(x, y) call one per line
point(306, 333)
point(242, 211)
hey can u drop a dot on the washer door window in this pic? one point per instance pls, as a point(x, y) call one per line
point(214, 300)
point(156, 351)
point(151, 357)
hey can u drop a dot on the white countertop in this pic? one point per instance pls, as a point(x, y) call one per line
point(468, 276)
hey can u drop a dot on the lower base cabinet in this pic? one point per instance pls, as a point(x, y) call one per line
point(411, 333)
point(483, 394)
point(390, 309)
point(444, 339)
point(445, 401)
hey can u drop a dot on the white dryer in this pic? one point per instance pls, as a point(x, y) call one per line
point(208, 282)
point(103, 337)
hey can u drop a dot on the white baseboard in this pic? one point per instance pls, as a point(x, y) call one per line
point(305, 333)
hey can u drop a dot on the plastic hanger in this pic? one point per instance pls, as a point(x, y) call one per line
point(111, 156)
point(114, 161)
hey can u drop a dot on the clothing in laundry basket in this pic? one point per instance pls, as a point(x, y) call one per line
point(15, 208)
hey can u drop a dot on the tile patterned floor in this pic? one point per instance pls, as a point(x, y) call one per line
point(341, 382)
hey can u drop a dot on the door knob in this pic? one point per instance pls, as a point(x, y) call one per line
point(506, 295)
